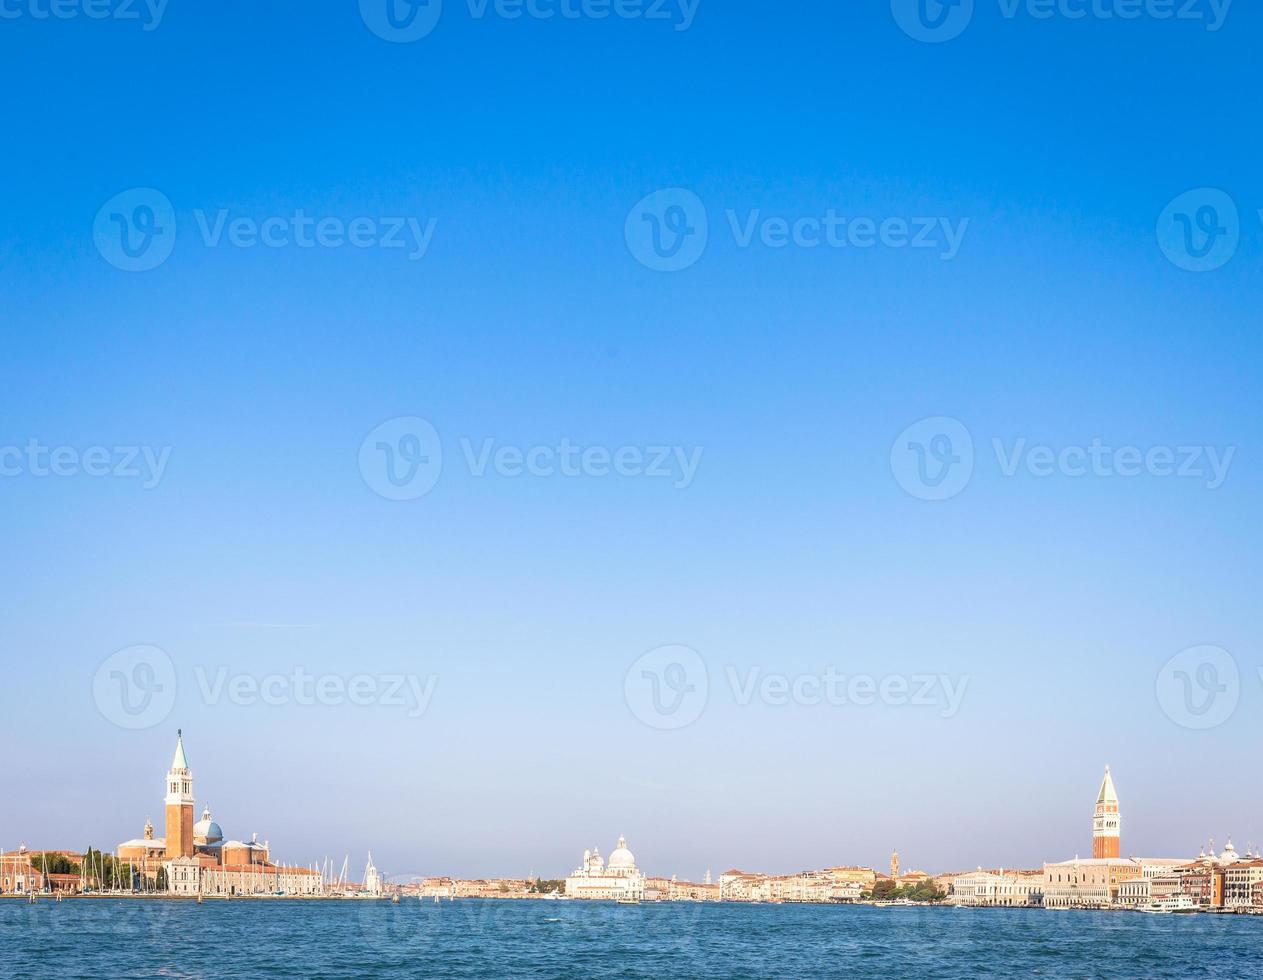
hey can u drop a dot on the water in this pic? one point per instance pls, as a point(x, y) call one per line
point(468, 938)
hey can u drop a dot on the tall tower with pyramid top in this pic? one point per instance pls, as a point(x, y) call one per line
point(179, 803)
point(1106, 822)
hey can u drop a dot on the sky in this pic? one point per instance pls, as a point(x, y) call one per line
point(775, 433)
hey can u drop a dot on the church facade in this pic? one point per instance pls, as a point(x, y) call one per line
point(619, 880)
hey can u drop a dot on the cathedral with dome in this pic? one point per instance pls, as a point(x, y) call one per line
point(194, 859)
point(618, 880)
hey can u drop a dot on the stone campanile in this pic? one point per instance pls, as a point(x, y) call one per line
point(179, 802)
point(1106, 822)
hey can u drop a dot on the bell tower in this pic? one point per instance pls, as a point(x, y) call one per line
point(179, 803)
point(1106, 822)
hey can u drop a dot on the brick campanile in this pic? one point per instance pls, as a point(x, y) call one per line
point(1106, 822)
point(179, 803)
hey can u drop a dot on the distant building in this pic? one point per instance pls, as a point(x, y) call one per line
point(743, 886)
point(196, 858)
point(18, 876)
point(998, 889)
point(1088, 882)
point(619, 880)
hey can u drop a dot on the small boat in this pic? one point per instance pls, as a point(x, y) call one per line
point(394, 899)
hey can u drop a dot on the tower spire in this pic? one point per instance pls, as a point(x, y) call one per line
point(179, 803)
point(1106, 821)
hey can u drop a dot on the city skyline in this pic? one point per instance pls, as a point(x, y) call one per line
point(656, 366)
point(203, 843)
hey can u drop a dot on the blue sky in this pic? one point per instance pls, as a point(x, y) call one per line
point(1057, 143)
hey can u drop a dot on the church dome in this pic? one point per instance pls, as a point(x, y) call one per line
point(621, 858)
point(206, 831)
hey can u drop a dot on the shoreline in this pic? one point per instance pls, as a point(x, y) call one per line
point(43, 898)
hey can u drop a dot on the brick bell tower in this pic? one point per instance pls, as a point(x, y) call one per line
point(179, 802)
point(1106, 823)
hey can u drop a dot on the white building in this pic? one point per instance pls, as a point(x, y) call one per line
point(619, 880)
point(1004, 889)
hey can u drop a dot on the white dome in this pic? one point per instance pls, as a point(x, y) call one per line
point(621, 858)
point(206, 831)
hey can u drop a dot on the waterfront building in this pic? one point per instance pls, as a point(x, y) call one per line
point(18, 876)
point(196, 858)
point(1135, 892)
point(1242, 880)
point(852, 874)
point(998, 889)
point(619, 880)
point(894, 864)
point(743, 886)
point(1088, 882)
point(1158, 879)
point(1106, 821)
point(673, 890)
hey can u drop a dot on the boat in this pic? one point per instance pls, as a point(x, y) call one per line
point(1180, 904)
